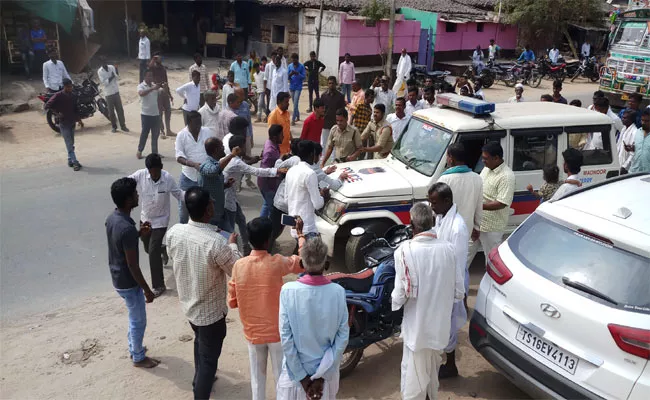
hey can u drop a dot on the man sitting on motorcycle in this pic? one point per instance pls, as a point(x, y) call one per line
point(528, 58)
point(425, 285)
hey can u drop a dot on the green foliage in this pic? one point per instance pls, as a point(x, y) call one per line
point(375, 10)
point(542, 22)
point(155, 34)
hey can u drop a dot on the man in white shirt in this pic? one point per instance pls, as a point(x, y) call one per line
point(210, 111)
point(109, 77)
point(203, 71)
point(429, 98)
point(402, 73)
point(493, 50)
point(303, 195)
point(599, 94)
point(450, 226)
point(399, 119)
point(228, 88)
point(279, 81)
point(554, 54)
point(412, 103)
point(425, 285)
point(626, 137)
point(202, 260)
point(477, 59)
point(519, 94)
point(235, 170)
point(191, 92)
point(190, 153)
point(144, 52)
point(149, 114)
point(385, 96)
point(53, 73)
point(595, 139)
point(154, 187)
point(573, 161)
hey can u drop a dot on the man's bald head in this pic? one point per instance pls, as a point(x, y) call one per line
point(214, 147)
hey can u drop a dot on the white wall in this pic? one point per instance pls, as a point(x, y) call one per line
point(329, 40)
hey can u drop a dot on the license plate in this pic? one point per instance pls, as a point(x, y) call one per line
point(630, 88)
point(549, 351)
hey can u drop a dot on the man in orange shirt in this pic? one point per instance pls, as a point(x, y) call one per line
point(255, 289)
point(280, 116)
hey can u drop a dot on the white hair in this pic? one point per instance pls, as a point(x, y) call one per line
point(313, 254)
point(421, 217)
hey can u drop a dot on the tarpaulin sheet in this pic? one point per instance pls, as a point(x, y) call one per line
point(62, 12)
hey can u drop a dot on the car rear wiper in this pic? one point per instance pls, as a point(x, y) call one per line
point(587, 289)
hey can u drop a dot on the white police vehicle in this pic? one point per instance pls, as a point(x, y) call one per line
point(379, 193)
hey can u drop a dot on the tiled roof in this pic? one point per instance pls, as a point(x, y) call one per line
point(445, 7)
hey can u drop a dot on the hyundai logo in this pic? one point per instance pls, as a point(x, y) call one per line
point(549, 310)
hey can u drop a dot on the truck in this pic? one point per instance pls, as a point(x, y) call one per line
point(627, 68)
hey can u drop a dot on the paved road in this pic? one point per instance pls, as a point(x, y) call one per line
point(52, 241)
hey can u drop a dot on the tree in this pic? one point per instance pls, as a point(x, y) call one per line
point(543, 22)
point(374, 11)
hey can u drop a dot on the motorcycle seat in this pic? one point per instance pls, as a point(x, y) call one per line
point(359, 282)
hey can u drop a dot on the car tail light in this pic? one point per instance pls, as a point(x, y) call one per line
point(631, 340)
point(477, 328)
point(496, 268)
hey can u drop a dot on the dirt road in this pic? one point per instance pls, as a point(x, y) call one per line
point(79, 351)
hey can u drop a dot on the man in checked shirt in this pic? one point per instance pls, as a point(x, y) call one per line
point(202, 258)
point(362, 115)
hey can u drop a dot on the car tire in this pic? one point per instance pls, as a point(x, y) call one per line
point(353, 258)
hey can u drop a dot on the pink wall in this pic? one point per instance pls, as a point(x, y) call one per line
point(360, 40)
point(467, 38)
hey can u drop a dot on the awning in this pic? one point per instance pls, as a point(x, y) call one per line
point(62, 12)
point(590, 28)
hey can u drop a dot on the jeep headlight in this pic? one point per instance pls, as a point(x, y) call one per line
point(333, 209)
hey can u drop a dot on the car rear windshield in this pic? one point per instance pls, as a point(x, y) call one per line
point(563, 255)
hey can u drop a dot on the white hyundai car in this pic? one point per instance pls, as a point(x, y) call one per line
point(564, 308)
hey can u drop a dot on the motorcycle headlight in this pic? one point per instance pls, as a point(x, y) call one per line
point(333, 209)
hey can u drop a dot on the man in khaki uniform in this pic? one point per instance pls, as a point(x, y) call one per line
point(381, 131)
point(344, 139)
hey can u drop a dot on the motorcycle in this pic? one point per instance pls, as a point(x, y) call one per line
point(486, 75)
point(589, 68)
point(526, 72)
point(501, 72)
point(556, 72)
point(88, 101)
point(368, 295)
point(419, 73)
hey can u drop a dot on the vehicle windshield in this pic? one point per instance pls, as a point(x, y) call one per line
point(631, 33)
point(422, 146)
point(556, 252)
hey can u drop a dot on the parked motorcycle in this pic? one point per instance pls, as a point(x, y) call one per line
point(420, 73)
point(501, 72)
point(368, 295)
point(546, 69)
point(89, 100)
point(486, 75)
point(526, 72)
point(589, 68)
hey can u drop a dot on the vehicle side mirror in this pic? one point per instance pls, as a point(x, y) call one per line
point(358, 231)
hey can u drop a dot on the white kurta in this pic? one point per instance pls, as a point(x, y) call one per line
point(402, 73)
point(452, 228)
point(468, 196)
point(279, 83)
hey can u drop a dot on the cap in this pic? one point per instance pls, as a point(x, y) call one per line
point(519, 86)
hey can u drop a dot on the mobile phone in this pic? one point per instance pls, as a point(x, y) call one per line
point(288, 220)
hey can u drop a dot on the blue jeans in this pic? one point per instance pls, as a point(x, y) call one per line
point(68, 137)
point(346, 88)
point(134, 299)
point(184, 183)
point(267, 206)
point(295, 97)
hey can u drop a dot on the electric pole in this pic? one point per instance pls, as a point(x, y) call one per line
point(320, 27)
point(388, 70)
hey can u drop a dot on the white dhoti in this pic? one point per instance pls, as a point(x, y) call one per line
point(290, 390)
point(258, 355)
point(420, 373)
point(458, 319)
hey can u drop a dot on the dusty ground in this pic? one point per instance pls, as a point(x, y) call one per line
point(80, 351)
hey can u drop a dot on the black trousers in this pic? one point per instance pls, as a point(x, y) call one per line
point(312, 87)
point(208, 341)
point(144, 64)
point(276, 221)
point(153, 246)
